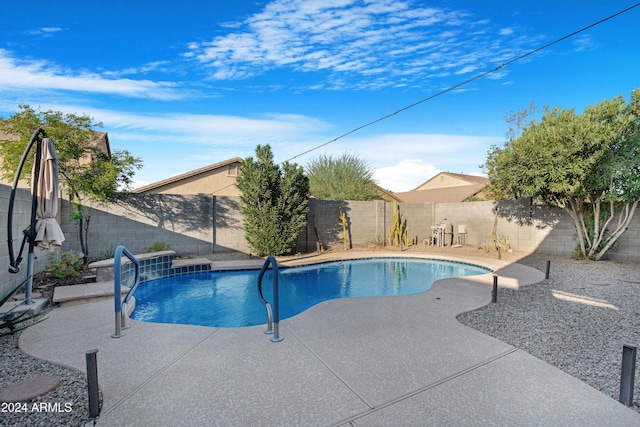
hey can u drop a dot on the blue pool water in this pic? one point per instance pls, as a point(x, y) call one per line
point(230, 298)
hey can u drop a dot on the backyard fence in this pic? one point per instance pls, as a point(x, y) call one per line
point(205, 224)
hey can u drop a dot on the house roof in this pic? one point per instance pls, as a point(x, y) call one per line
point(104, 137)
point(386, 195)
point(187, 175)
point(441, 195)
point(465, 186)
point(460, 179)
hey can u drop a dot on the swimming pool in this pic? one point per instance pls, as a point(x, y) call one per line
point(230, 298)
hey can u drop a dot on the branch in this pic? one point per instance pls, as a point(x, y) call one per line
point(628, 217)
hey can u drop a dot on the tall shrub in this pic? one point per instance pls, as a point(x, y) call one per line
point(274, 202)
point(345, 178)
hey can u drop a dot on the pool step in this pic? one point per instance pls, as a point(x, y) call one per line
point(153, 265)
point(189, 265)
point(87, 292)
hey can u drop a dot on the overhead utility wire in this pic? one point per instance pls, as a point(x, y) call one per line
point(460, 84)
point(476, 77)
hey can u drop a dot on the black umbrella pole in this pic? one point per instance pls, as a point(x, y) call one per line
point(32, 226)
point(30, 232)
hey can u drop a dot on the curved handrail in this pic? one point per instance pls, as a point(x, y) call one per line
point(273, 326)
point(121, 315)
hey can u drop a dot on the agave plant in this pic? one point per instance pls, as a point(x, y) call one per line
point(12, 322)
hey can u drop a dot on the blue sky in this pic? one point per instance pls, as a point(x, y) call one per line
point(191, 83)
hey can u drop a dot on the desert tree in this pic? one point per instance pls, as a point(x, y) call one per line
point(348, 177)
point(87, 173)
point(587, 164)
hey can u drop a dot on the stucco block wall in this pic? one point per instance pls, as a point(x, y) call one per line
point(628, 246)
point(183, 222)
point(228, 232)
point(205, 224)
point(21, 219)
point(529, 228)
point(368, 222)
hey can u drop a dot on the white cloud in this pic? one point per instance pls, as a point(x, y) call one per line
point(162, 66)
point(582, 43)
point(139, 183)
point(44, 31)
point(405, 175)
point(467, 69)
point(370, 42)
point(233, 133)
point(170, 143)
point(383, 150)
point(20, 75)
point(403, 161)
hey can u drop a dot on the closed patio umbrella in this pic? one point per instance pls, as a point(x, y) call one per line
point(48, 232)
point(44, 205)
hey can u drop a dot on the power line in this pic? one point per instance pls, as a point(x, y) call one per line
point(465, 82)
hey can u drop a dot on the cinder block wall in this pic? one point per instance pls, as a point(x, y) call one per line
point(21, 219)
point(184, 222)
point(206, 224)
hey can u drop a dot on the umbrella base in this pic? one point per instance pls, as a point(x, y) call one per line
point(19, 307)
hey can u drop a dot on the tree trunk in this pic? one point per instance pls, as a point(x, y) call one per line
point(578, 222)
point(623, 225)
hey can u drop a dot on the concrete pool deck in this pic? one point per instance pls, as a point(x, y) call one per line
point(402, 360)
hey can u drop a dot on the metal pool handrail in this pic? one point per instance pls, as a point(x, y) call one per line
point(273, 317)
point(120, 305)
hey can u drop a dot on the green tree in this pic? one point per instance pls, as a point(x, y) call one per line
point(345, 178)
point(274, 202)
point(586, 164)
point(86, 172)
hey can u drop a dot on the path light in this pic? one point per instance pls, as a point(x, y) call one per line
point(546, 274)
point(627, 375)
point(494, 292)
point(92, 383)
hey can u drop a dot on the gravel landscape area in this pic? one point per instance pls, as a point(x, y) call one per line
point(16, 366)
point(578, 320)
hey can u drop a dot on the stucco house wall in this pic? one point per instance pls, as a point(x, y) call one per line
point(218, 179)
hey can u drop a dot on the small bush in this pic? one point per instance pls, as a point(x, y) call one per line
point(157, 247)
point(377, 242)
point(106, 251)
point(65, 264)
point(504, 243)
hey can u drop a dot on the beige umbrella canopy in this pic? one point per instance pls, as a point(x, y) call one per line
point(48, 234)
point(45, 232)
